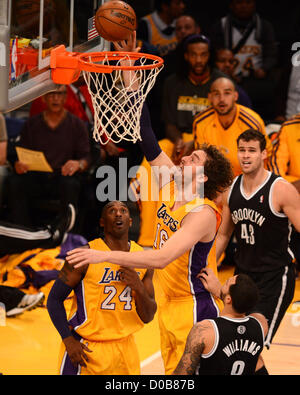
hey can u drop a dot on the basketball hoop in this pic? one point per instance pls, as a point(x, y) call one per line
point(117, 107)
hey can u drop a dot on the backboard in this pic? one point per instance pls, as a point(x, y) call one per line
point(29, 30)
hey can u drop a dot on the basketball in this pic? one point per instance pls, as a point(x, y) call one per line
point(115, 20)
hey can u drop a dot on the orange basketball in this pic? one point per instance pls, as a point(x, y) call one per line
point(115, 20)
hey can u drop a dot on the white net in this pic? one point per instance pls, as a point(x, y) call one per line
point(118, 102)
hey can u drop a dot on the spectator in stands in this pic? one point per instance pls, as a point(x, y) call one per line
point(288, 94)
point(252, 41)
point(158, 28)
point(4, 167)
point(185, 92)
point(64, 140)
point(285, 159)
point(225, 62)
point(225, 120)
point(185, 25)
point(78, 102)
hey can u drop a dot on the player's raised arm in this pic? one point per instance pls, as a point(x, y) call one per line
point(149, 145)
point(130, 77)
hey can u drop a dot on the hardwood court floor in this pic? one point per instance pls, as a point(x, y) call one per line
point(29, 344)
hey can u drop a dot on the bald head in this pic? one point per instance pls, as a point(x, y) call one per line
point(223, 96)
point(222, 83)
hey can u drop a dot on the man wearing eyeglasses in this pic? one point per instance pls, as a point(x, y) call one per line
point(63, 138)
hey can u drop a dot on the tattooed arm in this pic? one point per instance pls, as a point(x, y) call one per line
point(200, 340)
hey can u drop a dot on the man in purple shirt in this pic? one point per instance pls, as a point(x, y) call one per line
point(64, 140)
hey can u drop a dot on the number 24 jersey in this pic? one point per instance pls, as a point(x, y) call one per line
point(103, 306)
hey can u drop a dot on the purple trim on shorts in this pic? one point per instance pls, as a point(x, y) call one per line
point(80, 315)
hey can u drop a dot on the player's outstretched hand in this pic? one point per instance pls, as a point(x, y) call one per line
point(210, 281)
point(84, 256)
point(127, 45)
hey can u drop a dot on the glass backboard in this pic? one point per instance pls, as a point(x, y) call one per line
point(29, 30)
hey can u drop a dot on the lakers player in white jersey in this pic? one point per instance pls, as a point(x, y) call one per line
point(110, 304)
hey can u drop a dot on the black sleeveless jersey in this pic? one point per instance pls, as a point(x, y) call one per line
point(262, 234)
point(238, 343)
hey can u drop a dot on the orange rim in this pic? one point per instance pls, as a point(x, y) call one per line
point(66, 66)
point(87, 61)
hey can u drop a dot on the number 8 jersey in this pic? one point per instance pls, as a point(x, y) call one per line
point(262, 233)
point(103, 306)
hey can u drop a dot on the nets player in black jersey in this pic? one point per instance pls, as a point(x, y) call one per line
point(231, 343)
point(261, 207)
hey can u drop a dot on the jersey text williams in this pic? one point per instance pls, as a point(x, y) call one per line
point(241, 345)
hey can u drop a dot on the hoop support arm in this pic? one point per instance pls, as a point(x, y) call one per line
point(64, 66)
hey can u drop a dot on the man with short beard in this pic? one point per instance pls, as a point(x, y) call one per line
point(260, 208)
point(225, 120)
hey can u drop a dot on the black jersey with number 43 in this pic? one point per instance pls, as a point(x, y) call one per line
point(238, 343)
point(262, 233)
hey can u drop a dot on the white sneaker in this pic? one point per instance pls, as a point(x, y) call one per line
point(28, 302)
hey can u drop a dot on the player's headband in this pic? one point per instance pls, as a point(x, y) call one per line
point(195, 38)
